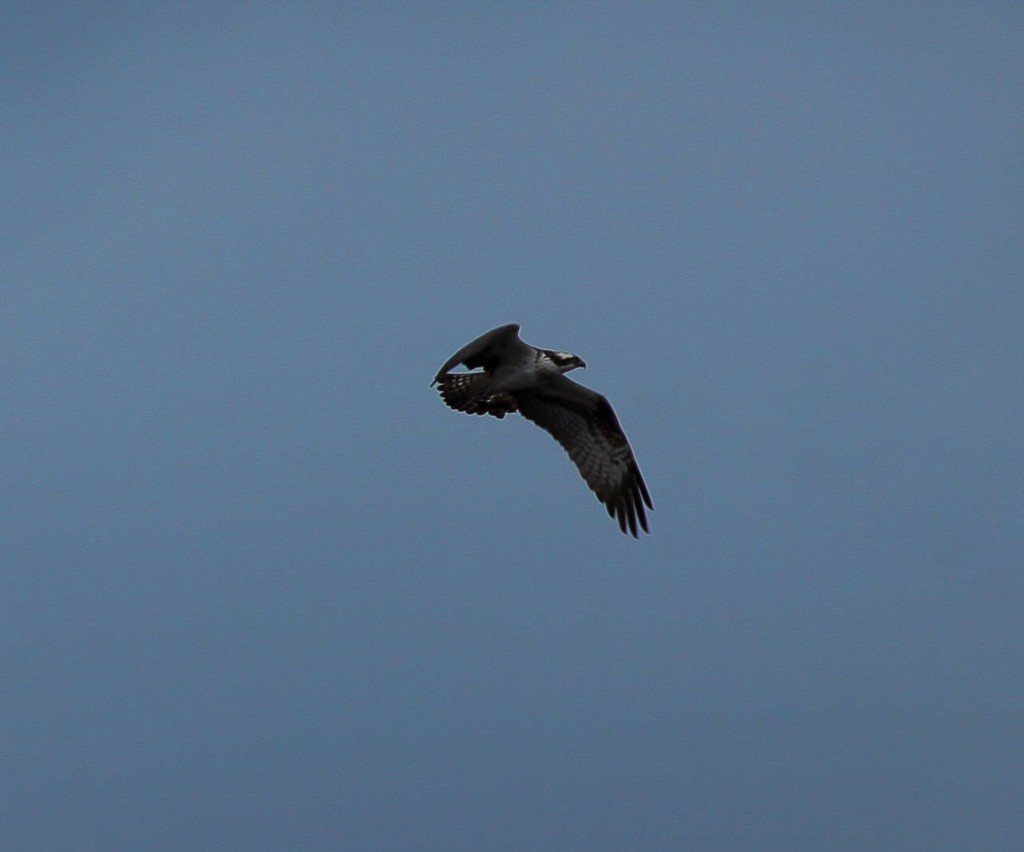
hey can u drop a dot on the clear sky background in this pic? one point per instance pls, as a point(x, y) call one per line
point(261, 590)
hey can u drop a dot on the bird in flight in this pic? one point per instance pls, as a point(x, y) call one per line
point(515, 376)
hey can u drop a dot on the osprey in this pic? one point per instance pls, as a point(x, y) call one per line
point(516, 376)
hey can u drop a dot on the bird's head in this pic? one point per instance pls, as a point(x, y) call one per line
point(565, 361)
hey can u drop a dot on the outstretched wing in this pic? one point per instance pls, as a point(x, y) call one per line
point(583, 422)
point(468, 392)
point(484, 352)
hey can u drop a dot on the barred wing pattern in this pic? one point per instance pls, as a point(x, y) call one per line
point(468, 392)
point(584, 423)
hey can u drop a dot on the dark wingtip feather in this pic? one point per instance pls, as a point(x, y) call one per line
point(628, 509)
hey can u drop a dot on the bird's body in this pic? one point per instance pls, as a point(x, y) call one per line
point(515, 376)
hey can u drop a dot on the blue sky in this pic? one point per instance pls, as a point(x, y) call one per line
point(264, 591)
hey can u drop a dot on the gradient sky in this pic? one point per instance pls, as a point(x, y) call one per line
point(263, 591)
